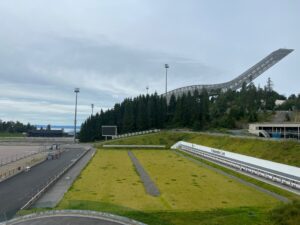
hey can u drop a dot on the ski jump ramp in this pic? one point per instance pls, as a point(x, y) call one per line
point(246, 77)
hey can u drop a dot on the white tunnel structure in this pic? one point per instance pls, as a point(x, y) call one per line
point(246, 77)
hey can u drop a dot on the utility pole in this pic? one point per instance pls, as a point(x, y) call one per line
point(76, 90)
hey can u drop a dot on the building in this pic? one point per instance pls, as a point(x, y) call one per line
point(276, 130)
point(279, 102)
point(45, 133)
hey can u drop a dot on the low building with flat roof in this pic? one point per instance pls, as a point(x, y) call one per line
point(276, 130)
point(45, 133)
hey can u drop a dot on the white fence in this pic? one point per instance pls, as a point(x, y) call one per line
point(277, 172)
point(136, 133)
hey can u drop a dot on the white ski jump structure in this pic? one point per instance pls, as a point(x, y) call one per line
point(246, 77)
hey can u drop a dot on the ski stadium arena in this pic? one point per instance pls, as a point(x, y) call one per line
point(140, 178)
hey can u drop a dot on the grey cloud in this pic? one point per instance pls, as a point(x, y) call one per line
point(47, 72)
point(114, 49)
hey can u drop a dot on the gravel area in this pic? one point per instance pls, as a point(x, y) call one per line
point(149, 185)
point(9, 152)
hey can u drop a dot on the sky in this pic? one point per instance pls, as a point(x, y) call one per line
point(112, 50)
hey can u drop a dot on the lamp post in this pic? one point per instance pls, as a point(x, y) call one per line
point(92, 105)
point(76, 90)
point(167, 67)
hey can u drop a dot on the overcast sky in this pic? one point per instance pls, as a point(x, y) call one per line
point(112, 49)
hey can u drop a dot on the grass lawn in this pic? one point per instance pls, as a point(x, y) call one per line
point(110, 178)
point(190, 194)
point(161, 138)
point(7, 134)
point(188, 186)
point(286, 152)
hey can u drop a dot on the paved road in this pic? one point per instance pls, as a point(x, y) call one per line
point(55, 193)
point(59, 220)
point(72, 217)
point(18, 190)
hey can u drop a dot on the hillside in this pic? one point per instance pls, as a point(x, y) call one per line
point(286, 152)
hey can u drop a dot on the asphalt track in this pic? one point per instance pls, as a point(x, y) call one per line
point(17, 191)
point(67, 220)
point(71, 217)
point(149, 185)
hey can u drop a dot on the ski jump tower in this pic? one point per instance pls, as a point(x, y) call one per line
point(246, 77)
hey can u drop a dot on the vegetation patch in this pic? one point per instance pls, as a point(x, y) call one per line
point(286, 152)
point(259, 183)
point(120, 191)
point(287, 214)
point(9, 134)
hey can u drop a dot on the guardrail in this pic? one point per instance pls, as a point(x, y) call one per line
point(133, 146)
point(52, 181)
point(6, 173)
point(18, 169)
point(14, 158)
point(76, 213)
point(223, 157)
point(136, 133)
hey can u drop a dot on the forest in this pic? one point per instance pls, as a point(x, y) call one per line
point(15, 127)
point(197, 111)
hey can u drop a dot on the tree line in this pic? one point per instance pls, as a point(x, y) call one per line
point(15, 127)
point(195, 110)
point(292, 103)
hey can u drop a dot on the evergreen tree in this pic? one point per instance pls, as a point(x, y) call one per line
point(192, 110)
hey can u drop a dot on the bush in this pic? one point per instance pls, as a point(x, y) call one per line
point(287, 214)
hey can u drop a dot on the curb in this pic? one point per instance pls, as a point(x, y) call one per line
point(75, 213)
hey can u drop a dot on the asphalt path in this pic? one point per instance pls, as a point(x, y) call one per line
point(58, 220)
point(18, 190)
point(149, 185)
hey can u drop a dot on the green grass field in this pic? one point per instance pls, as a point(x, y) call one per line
point(110, 183)
point(278, 151)
point(7, 134)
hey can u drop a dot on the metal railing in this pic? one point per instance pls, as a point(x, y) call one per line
point(242, 166)
point(49, 182)
point(136, 133)
point(13, 170)
point(14, 158)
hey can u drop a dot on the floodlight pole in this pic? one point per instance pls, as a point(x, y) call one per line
point(147, 89)
point(92, 105)
point(166, 66)
point(76, 90)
